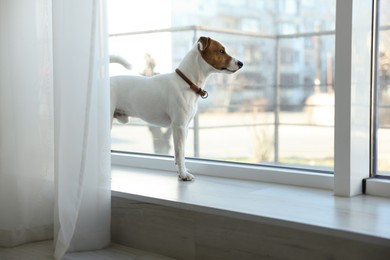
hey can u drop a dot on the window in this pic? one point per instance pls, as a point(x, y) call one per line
point(276, 120)
point(275, 114)
point(383, 90)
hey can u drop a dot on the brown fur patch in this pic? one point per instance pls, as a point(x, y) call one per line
point(214, 53)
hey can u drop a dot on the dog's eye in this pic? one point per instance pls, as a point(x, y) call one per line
point(222, 51)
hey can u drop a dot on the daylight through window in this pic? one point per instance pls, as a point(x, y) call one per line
point(277, 110)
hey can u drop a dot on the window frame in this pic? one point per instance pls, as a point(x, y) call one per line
point(375, 172)
point(352, 153)
point(242, 171)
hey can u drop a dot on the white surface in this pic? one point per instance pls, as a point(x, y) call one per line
point(228, 170)
point(361, 218)
point(378, 187)
point(352, 96)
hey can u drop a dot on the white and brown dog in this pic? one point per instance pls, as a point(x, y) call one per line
point(171, 100)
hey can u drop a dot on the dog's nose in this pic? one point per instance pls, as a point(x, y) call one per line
point(240, 64)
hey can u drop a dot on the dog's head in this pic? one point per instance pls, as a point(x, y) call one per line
point(214, 54)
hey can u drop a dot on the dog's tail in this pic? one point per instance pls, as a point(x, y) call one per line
point(120, 60)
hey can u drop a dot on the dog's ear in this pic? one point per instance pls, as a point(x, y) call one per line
point(203, 43)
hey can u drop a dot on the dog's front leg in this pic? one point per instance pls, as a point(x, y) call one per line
point(179, 141)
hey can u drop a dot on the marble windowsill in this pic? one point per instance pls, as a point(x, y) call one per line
point(364, 218)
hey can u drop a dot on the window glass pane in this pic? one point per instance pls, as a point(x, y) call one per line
point(278, 109)
point(383, 89)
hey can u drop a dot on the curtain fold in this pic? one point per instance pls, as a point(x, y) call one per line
point(55, 132)
point(26, 116)
point(82, 140)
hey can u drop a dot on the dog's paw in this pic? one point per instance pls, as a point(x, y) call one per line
point(186, 176)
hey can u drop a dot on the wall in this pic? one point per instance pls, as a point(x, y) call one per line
point(185, 234)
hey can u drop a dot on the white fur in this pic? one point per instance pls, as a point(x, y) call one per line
point(165, 100)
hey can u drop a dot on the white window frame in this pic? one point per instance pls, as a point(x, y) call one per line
point(352, 121)
point(352, 96)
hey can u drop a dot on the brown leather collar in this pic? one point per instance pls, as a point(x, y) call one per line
point(202, 93)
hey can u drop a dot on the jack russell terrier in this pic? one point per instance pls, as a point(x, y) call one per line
point(171, 100)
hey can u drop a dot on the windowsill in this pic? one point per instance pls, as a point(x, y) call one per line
point(363, 218)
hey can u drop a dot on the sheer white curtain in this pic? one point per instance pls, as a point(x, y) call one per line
point(55, 126)
point(26, 116)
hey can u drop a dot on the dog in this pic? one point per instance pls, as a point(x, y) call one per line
point(171, 100)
